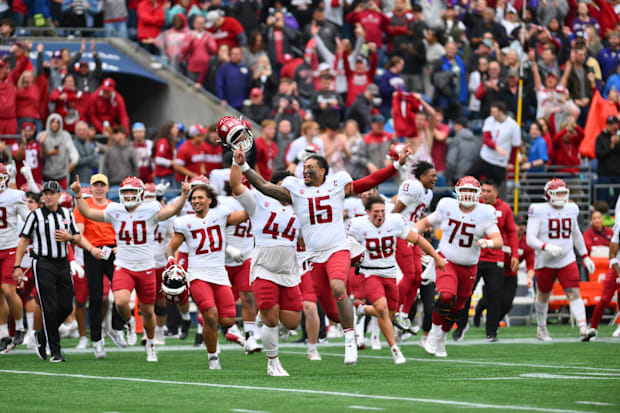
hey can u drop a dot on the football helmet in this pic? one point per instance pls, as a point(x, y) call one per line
point(131, 183)
point(309, 150)
point(395, 150)
point(356, 250)
point(556, 192)
point(468, 198)
point(4, 176)
point(175, 284)
point(198, 180)
point(235, 132)
point(65, 200)
point(150, 192)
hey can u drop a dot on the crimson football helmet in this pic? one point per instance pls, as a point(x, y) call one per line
point(556, 192)
point(149, 192)
point(235, 132)
point(131, 183)
point(470, 197)
point(175, 284)
point(65, 200)
point(356, 250)
point(395, 150)
point(4, 176)
point(198, 180)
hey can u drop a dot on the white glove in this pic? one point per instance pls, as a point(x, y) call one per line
point(589, 264)
point(160, 189)
point(427, 260)
point(11, 169)
point(76, 269)
point(554, 250)
point(234, 253)
point(26, 171)
point(429, 274)
point(484, 243)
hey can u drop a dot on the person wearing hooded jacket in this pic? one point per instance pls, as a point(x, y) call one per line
point(107, 105)
point(59, 153)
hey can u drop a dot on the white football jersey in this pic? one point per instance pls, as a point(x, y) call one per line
point(12, 205)
point(134, 234)
point(380, 243)
point(161, 239)
point(416, 199)
point(239, 236)
point(187, 209)
point(319, 210)
point(555, 227)
point(207, 244)
point(354, 207)
point(461, 231)
point(274, 223)
point(218, 179)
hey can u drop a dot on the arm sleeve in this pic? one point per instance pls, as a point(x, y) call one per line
point(435, 219)
point(492, 229)
point(487, 139)
point(578, 242)
point(246, 199)
point(533, 224)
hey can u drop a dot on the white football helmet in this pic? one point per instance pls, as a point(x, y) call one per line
point(556, 192)
point(131, 183)
point(175, 284)
point(470, 197)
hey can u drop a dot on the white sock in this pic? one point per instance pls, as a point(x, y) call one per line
point(311, 346)
point(442, 333)
point(579, 312)
point(394, 347)
point(212, 354)
point(436, 329)
point(185, 316)
point(149, 341)
point(349, 334)
point(19, 324)
point(4, 330)
point(270, 340)
point(541, 313)
point(249, 327)
point(159, 330)
point(30, 320)
point(199, 329)
point(374, 326)
point(359, 327)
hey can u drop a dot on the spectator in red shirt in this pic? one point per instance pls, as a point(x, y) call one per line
point(68, 103)
point(226, 30)
point(405, 105)
point(363, 75)
point(597, 234)
point(191, 155)
point(28, 152)
point(440, 133)
point(165, 153)
point(8, 92)
point(370, 16)
point(198, 49)
point(266, 149)
point(151, 19)
point(377, 134)
point(566, 146)
point(107, 105)
point(29, 98)
point(213, 151)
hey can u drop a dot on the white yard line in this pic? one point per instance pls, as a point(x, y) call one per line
point(301, 391)
point(247, 411)
point(365, 408)
point(594, 403)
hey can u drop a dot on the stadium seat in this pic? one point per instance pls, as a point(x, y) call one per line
point(590, 292)
point(602, 266)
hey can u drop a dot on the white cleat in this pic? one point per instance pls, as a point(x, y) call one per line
point(251, 345)
point(132, 337)
point(313, 355)
point(375, 342)
point(398, 357)
point(587, 333)
point(99, 351)
point(335, 331)
point(431, 344)
point(617, 332)
point(543, 334)
point(274, 368)
point(29, 340)
point(441, 347)
point(151, 353)
point(423, 341)
point(214, 363)
point(83, 343)
point(160, 337)
point(64, 330)
point(350, 352)
point(118, 337)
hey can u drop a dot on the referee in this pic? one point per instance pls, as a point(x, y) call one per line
point(51, 228)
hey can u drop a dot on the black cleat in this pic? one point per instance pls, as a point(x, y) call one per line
point(58, 358)
point(19, 337)
point(185, 329)
point(40, 342)
point(492, 338)
point(459, 333)
point(5, 343)
point(198, 340)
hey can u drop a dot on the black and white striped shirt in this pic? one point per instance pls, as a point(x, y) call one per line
point(41, 225)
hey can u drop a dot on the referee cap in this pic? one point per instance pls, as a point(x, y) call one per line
point(53, 186)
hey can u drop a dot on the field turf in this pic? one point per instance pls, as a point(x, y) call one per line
point(517, 374)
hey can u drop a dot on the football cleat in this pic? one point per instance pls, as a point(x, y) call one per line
point(432, 343)
point(397, 355)
point(29, 340)
point(587, 334)
point(543, 334)
point(233, 334)
point(441, 347)
point(401, 321)
point(617, 332)
point(423, 341)
point(99, 351)
point(5, 343)
point(274, 368)
point(118, 337)
point(132, 337)
point(350, 352)
point(41, 343)
point(251, 345)
point(492, 338)
point(151, 354)
point(83, 343)
point(185, 325)
point(19, 337)
point(459, 332)
point(214, 363)
point(160, 337)
point(58, 358)
point(313, 355)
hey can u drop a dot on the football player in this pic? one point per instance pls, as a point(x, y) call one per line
point(134, 222)
point(209, 284)
point(378, 233)
point(464, 223)
point(553, 231)
point(318, 203)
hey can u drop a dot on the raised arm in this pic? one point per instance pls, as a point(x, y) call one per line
point(374, 179)
point(245, 197)
point(85, 210)
point(170, 210)
point(267, 188)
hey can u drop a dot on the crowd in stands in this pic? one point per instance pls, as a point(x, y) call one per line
point(351, 77)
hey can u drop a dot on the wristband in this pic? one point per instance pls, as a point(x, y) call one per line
point(397, 166)
point(490, 243)
point(78, 196)
point(19, 266)
point(613, 261)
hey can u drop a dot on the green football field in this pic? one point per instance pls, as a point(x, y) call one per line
point(517, 373)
